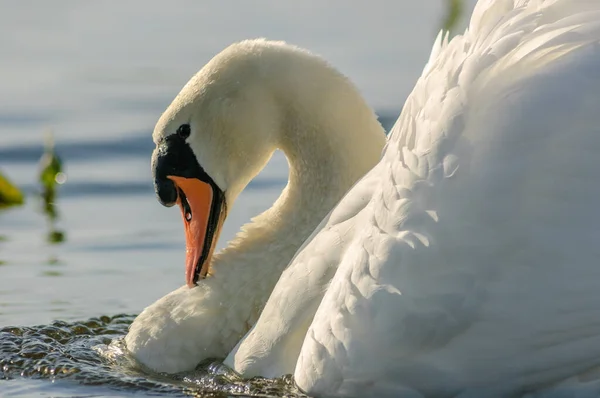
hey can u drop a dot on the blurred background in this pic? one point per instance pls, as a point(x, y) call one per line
point(98, 75)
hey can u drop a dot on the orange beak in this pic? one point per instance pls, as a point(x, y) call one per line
point(203, 212)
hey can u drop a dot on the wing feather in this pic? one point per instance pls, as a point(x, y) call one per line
point(473, 265)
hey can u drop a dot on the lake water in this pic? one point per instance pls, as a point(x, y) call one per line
point(98, 74)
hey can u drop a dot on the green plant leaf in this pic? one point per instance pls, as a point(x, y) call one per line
point(9, 193)
point(51, 171)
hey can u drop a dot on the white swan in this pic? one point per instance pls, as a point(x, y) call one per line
point(252, 98)
point(467, 259)
point(465, 262)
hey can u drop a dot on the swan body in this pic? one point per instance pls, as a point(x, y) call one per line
point(466, 262)
point(252, 98)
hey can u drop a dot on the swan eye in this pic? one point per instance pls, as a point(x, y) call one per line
point(184, 131)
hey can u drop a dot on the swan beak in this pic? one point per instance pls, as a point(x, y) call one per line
point(203, 213)
point(179, 179)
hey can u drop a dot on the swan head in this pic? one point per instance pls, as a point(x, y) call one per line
point(216, 135)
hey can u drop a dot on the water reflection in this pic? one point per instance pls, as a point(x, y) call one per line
point(53, 261)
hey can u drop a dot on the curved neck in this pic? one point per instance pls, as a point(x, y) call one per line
point(282, 98)
point(331, 138)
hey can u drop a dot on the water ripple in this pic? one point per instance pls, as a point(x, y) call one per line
point(92, 353)
point(135, 144)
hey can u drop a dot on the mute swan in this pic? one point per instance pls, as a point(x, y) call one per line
point(465, 262)
point(218, 133)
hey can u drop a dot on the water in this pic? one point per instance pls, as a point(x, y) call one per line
point(98, 74)
point(67, 353)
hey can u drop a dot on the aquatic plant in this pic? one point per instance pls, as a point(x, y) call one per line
point(51, 175)
point(51, 169)
point(10, 194)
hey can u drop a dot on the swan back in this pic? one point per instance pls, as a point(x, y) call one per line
point(452, 266)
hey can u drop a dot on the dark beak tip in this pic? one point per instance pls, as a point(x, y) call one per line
point(165, 204)
point(166, 192)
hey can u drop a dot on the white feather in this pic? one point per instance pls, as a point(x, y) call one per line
point(465, 262)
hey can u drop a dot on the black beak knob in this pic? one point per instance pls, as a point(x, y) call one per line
point(164, 162)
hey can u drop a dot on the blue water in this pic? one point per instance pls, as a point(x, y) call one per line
point(98, 75)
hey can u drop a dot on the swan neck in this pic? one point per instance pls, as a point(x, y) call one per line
point(331, 138)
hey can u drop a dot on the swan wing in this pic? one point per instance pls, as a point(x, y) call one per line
point(272, 346)
point(471, 268)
